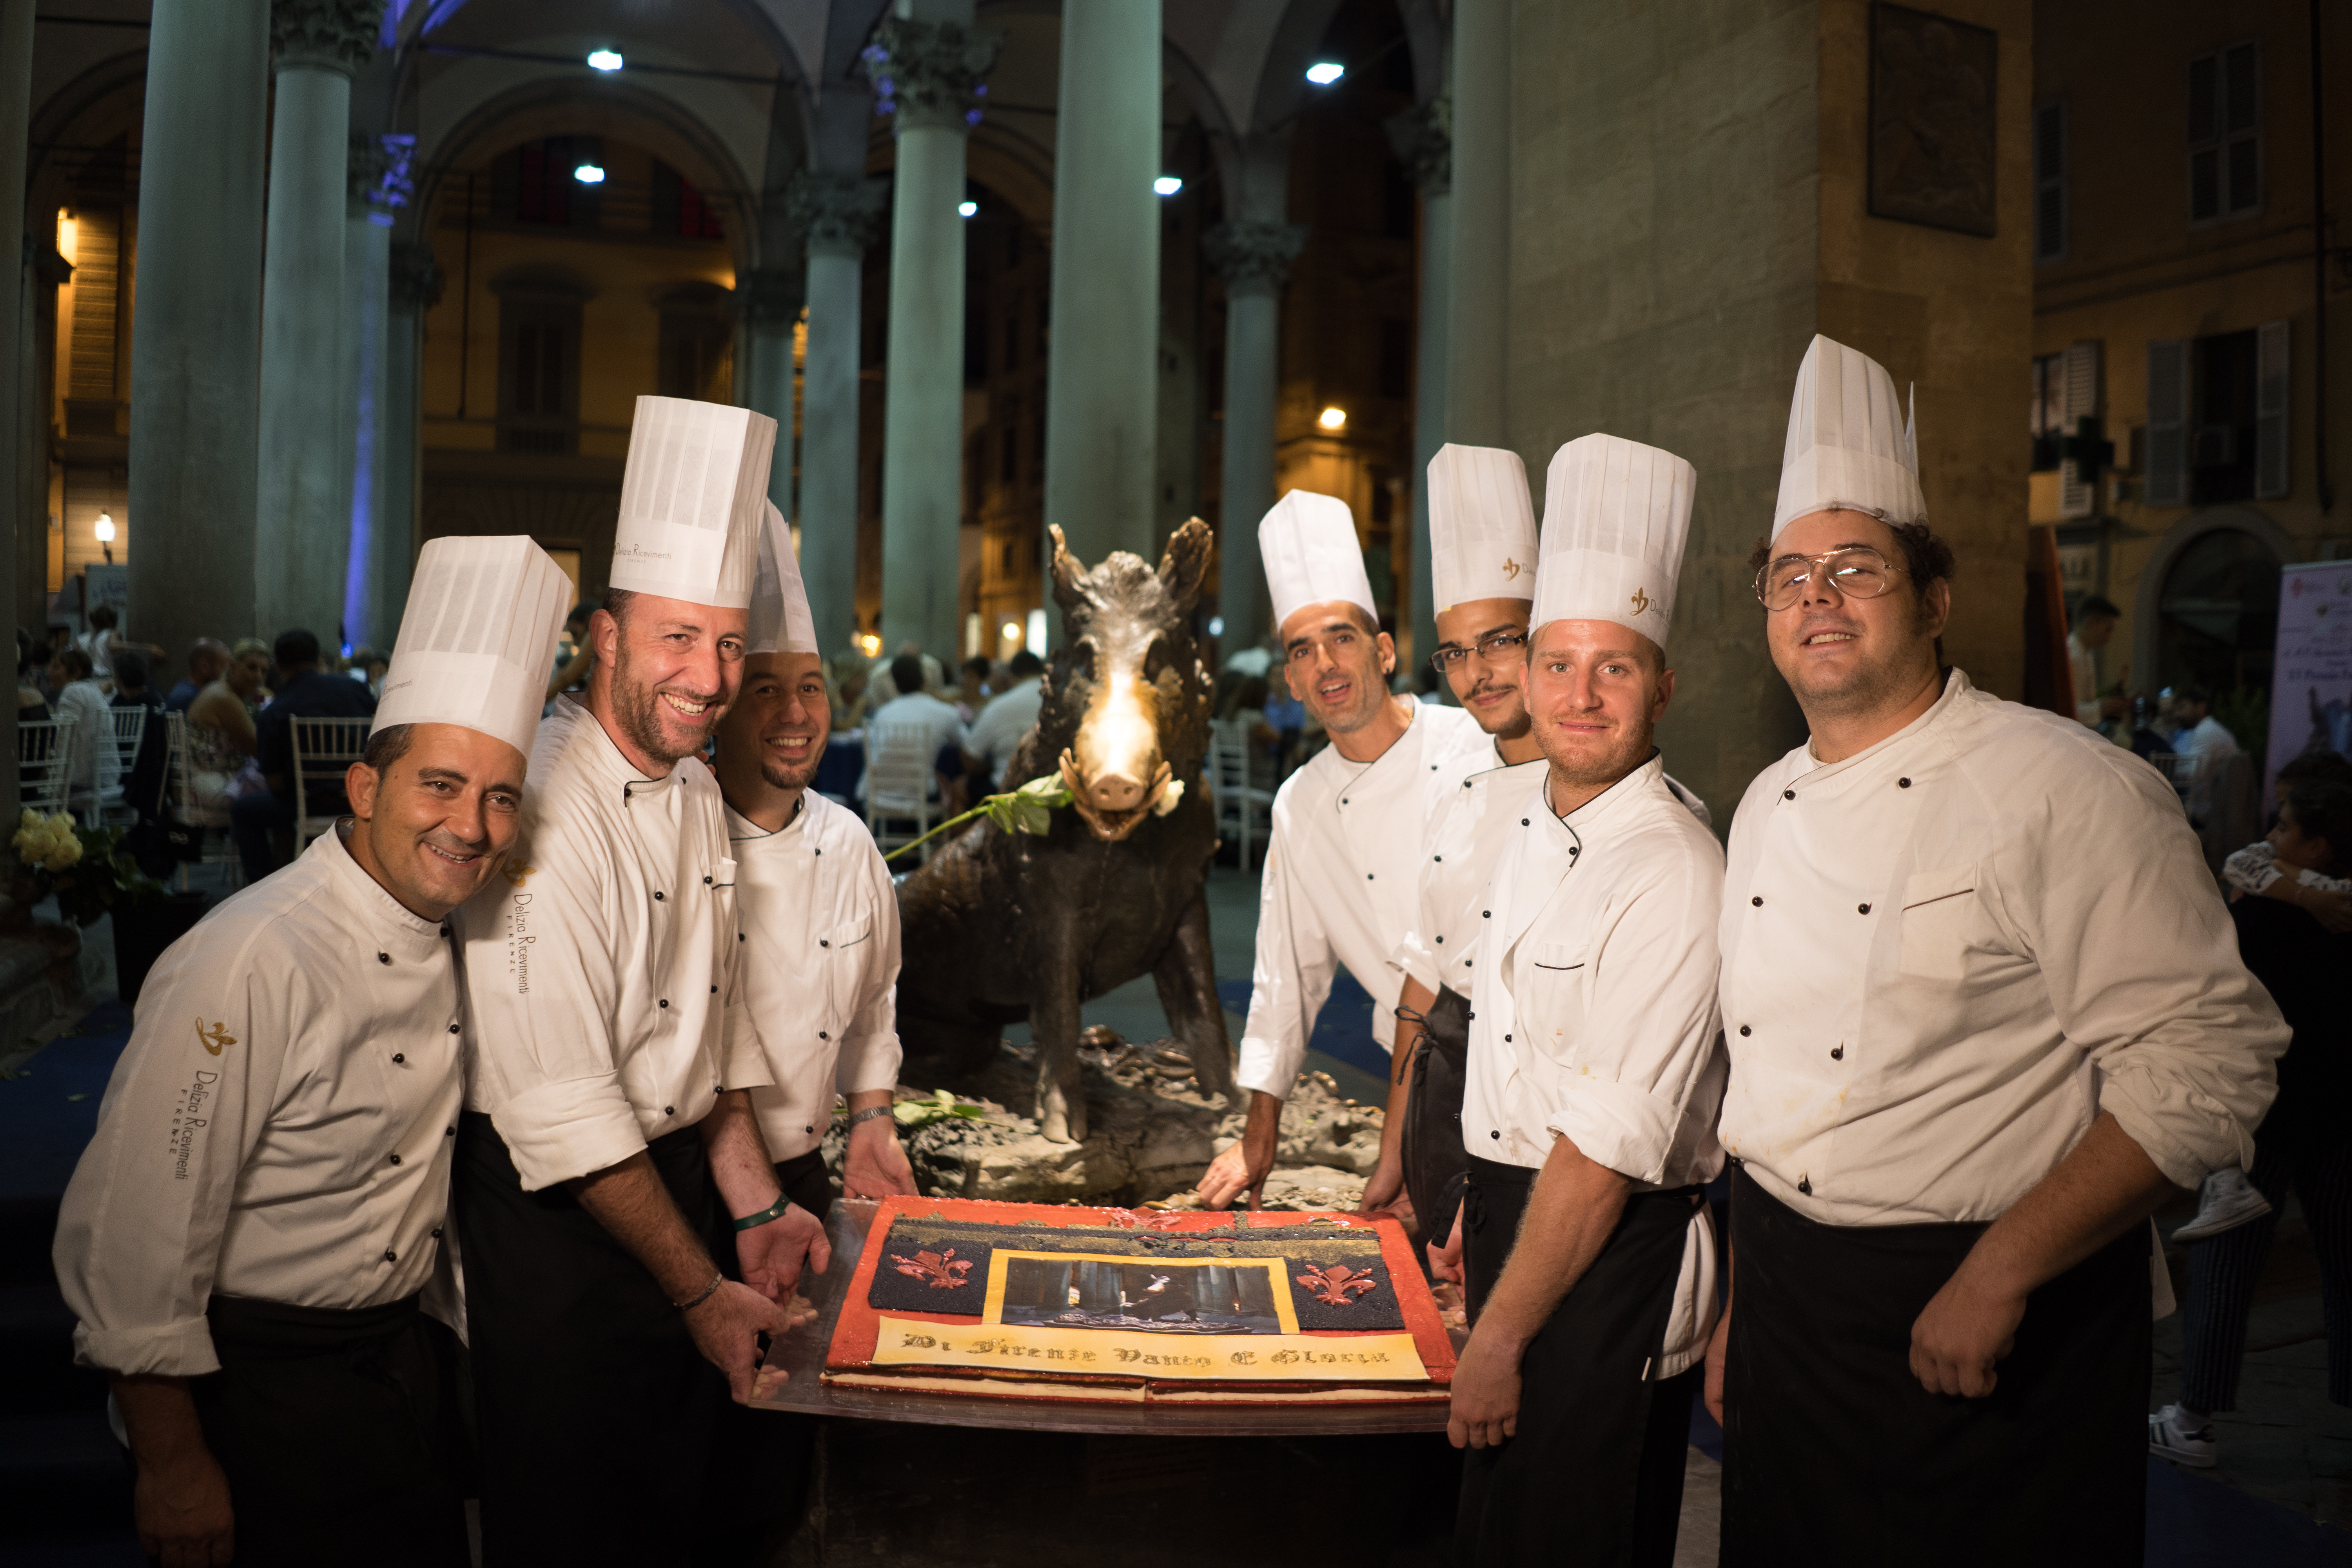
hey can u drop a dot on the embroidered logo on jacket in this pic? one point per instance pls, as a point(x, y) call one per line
point(516, 873)
point(215, 1037)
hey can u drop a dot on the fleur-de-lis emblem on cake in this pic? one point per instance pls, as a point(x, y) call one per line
point(1337, 1286)
point(944, 1270)
point(1642, 601)
point(215, 1037)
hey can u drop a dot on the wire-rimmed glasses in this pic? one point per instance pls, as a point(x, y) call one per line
point(1857, 571)
point(1495, 648)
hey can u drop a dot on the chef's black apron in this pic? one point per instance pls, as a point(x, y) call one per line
point(1594, 1472)
point(340, 1433)
point(595, 1412)
point(1431, 1143)
point(1834, 1455)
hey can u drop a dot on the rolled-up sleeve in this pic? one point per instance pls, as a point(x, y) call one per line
point(1618, 1080)
point(869, 1049)
point(545, 1001)
point(139, 1234)
point(2141, 961)
point(1290, 979)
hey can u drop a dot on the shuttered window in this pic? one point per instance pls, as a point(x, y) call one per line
point(2225, 137)
point(2168, 422)
point(2079, 388)
point(2050, 182)
point(2273, 478)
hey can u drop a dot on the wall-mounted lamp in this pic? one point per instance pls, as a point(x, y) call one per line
point(1333, 419)
point(104, 528)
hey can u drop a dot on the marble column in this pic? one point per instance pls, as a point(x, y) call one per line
point(15, 106)
point(45, 272)
point(415, 288)
point(1253, 257)
point(836, 215)
point(1422, 137)
point(926, 69)
point(769, 298)
point(1102, 371)
point(302, 525)
point(377, 182)
point(1478, 313)
point(195, 355)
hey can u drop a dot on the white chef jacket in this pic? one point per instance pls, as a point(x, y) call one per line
point(279, 1126)
point(1593, 1012)
point(997, 732)
point(1342, 882)
point(1466, 833)
point(819, 998)
point(1944, 957)
point(597, 964)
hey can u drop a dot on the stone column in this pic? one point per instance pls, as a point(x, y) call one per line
point(415, 288)
point(771, 302)
point(1102, 370)
point(303, 526)
point(194, 351)
point(1422, 138)
point(836, 215)
point(1478, 315)
point(1253, 257)
point(15, 106)
point(925, 71)
point(377, 182)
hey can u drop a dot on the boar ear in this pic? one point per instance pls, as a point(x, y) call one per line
point(1066, 571)
point(1186, 565)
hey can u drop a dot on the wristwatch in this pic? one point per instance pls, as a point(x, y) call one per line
point(869, 1114)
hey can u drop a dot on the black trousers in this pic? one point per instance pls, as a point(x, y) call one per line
point(1435, 1165)
point(1834, 1455)
point(340, 1433)
point(1595, 1474)
point(597, 1417)
point(2224, 1269)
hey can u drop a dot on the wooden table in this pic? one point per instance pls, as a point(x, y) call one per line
point(801, 1355)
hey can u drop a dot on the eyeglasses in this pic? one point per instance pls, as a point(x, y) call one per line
point(1857, 573)
point(1494, 648)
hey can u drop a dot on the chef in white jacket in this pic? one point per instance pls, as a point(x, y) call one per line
point(1594, 1063)
point(1482, 540)
point(1985, 1012)
point(818, 919)
point(248, 1240)
point(624, 1238)
point(1342, 866)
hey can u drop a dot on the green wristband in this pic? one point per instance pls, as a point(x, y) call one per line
point(774, 1211)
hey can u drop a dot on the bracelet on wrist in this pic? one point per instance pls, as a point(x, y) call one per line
point(869, 1114)
point(707, 1291)
point(775, 1211)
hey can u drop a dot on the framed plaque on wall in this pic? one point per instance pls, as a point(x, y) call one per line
point(1932, 122)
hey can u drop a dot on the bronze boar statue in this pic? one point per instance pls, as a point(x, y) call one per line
point(1004, 926)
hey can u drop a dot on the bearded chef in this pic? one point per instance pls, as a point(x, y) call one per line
point(248, 1240)
point(1985, 1012)
point(1594, 1068)
point(609, 1152)
point(1482, 538)
point(818, 917)
point(1342, 865)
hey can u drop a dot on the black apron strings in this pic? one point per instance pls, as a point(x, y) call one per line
point(340, 1433)
point(1594, 1472)
point(1430, 1140)
point(1834, 1455)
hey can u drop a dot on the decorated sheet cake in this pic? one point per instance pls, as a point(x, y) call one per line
point(1029, 1301)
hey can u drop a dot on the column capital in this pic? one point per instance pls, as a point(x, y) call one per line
point(378, 175)
point(416, 275)
point(323, 35)
point(1252, 256)
point(770, 295)
point(928, 73)
point(1422, 138)
point(836, 214)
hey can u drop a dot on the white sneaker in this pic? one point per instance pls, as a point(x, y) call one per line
point(2226, 1201)
point(2168, 1437)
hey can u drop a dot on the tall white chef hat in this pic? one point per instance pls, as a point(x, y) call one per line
point(690, 501)
point(1616, 516)
point(1312, 556)
point(1851, 443)
point(1481, 526)
point(477, 643)
point(781, 622)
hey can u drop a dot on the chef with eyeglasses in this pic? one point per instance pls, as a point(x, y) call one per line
point(1985, 1012)
point(1594, 1065)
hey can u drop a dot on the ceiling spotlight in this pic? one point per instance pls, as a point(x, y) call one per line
point(1165, 186)
point(1323, 73)
point(604, 60)
point(589, 174)
point(1333, 419)
point(967, 209)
